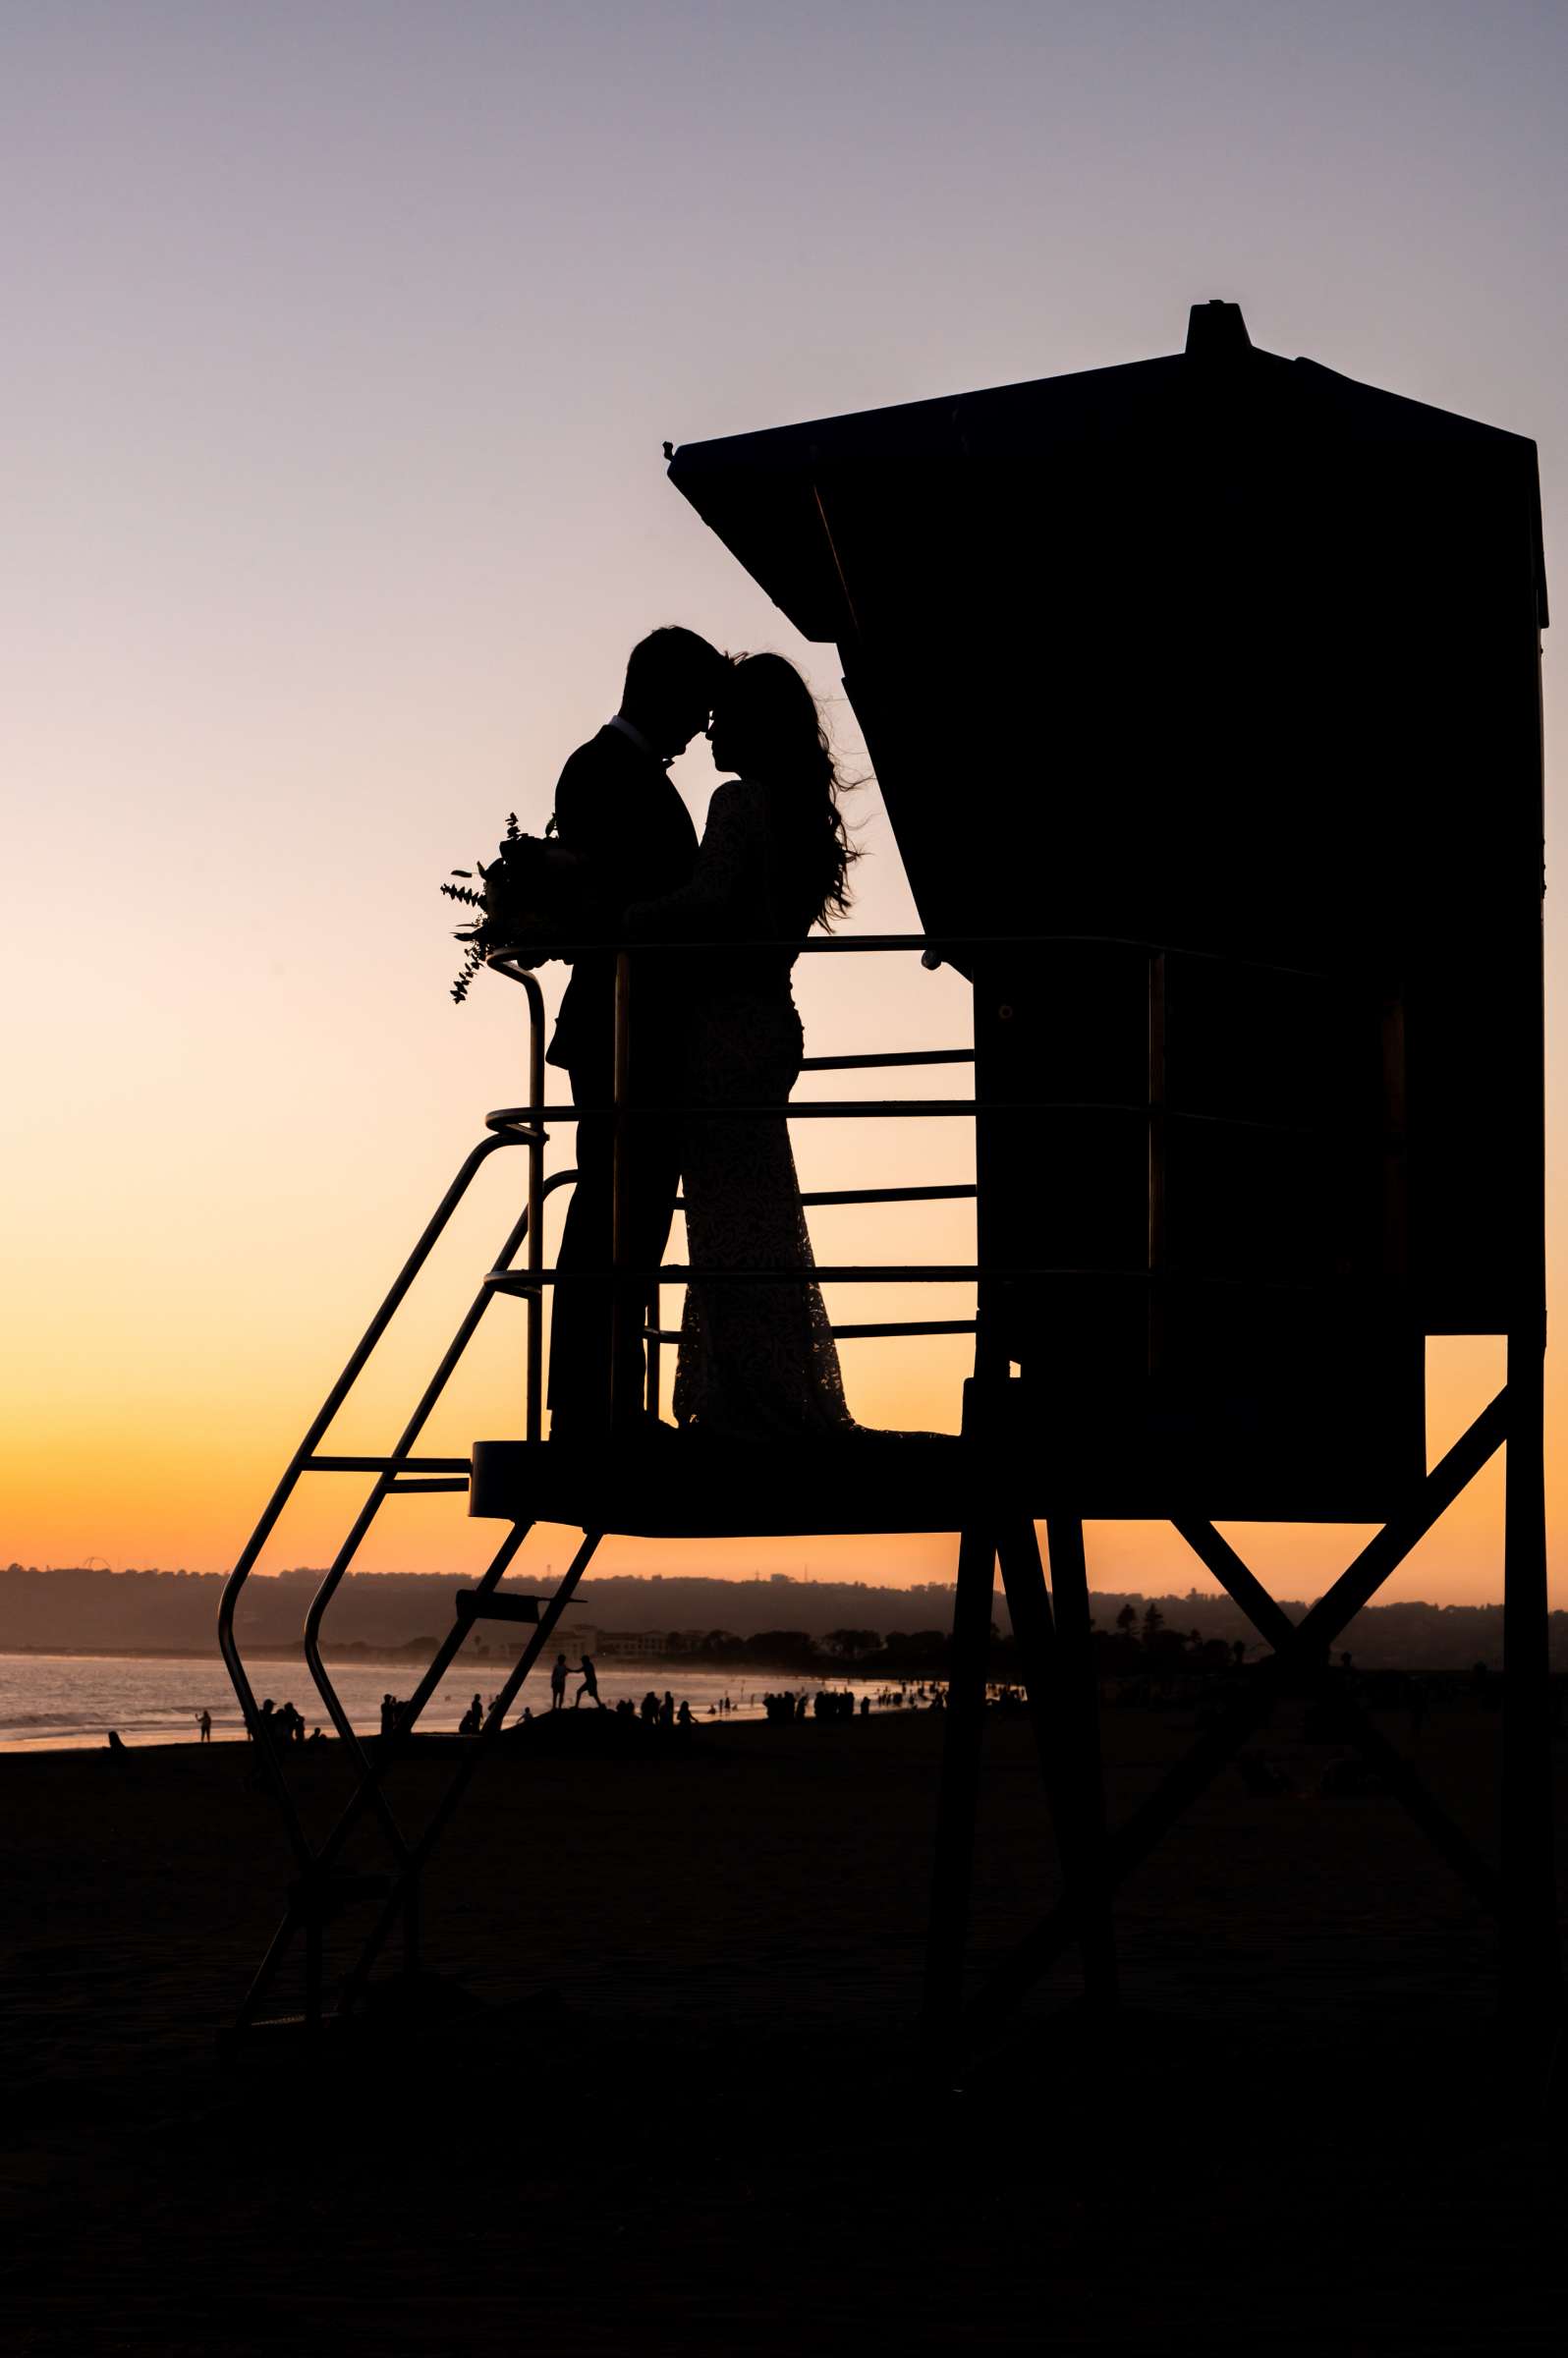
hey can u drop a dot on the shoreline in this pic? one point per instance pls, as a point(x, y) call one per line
point(418, 1653)
point(208, 1654)
point(70, 1703)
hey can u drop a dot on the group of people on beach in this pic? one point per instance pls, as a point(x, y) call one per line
point(828, 1703)
point(276, 1723)
point(283, 1724)
point(654, 1712)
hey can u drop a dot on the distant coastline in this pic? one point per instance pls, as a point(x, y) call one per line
point(671, 1620)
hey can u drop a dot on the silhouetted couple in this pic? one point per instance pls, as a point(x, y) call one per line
point(716, 1029)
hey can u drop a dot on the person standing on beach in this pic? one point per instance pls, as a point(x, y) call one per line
point(204, 1723)
point(558, 1682)
point(591, 1683)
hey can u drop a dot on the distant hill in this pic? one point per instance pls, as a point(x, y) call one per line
point(93, 1609)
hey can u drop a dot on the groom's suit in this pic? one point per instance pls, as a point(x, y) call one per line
point(616, 809)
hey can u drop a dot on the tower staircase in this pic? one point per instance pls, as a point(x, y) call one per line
point(618, 1485)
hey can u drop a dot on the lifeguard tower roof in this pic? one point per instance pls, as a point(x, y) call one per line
point(761, 492)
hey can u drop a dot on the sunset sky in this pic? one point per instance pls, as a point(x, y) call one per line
point(342, 341)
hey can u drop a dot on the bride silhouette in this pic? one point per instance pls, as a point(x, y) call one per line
point(757, 1362)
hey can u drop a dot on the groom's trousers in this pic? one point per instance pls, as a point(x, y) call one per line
point(583, 1311)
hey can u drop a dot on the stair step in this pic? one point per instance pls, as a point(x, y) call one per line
point(471, 1606)
point(512, 1281)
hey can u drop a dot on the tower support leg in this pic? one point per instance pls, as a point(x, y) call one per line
point(1532, 1989)
point(959, 1784)
point(1029, 1608)
point(1082, 1780)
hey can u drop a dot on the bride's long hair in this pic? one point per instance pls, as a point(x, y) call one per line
point(771, 715)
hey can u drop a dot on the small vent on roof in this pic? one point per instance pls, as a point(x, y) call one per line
point(1217, 330)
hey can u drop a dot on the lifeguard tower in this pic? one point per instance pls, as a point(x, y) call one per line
point(1204, 697)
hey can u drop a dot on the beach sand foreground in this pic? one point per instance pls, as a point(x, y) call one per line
point(671, 2107)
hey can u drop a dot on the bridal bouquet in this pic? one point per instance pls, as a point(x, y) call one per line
point(526, 899)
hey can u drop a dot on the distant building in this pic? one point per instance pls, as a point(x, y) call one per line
point(632, 1645)
point(579, 1637)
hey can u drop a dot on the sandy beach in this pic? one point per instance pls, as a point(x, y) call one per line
point(669, 2098)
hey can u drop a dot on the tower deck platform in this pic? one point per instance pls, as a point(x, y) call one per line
point(685, 1489)
point(1025, 1466)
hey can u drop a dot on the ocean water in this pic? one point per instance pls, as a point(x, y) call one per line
point(54, 1701)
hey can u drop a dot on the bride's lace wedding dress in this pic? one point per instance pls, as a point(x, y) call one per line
point(757, 1362)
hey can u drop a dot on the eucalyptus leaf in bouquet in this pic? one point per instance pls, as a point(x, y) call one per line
point(527, 898)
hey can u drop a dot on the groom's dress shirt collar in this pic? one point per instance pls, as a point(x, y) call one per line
point(629, 728)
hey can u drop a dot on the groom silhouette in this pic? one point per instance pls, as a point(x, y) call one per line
point(616, 809)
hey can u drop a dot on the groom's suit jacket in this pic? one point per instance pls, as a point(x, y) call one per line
point(616, 809)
